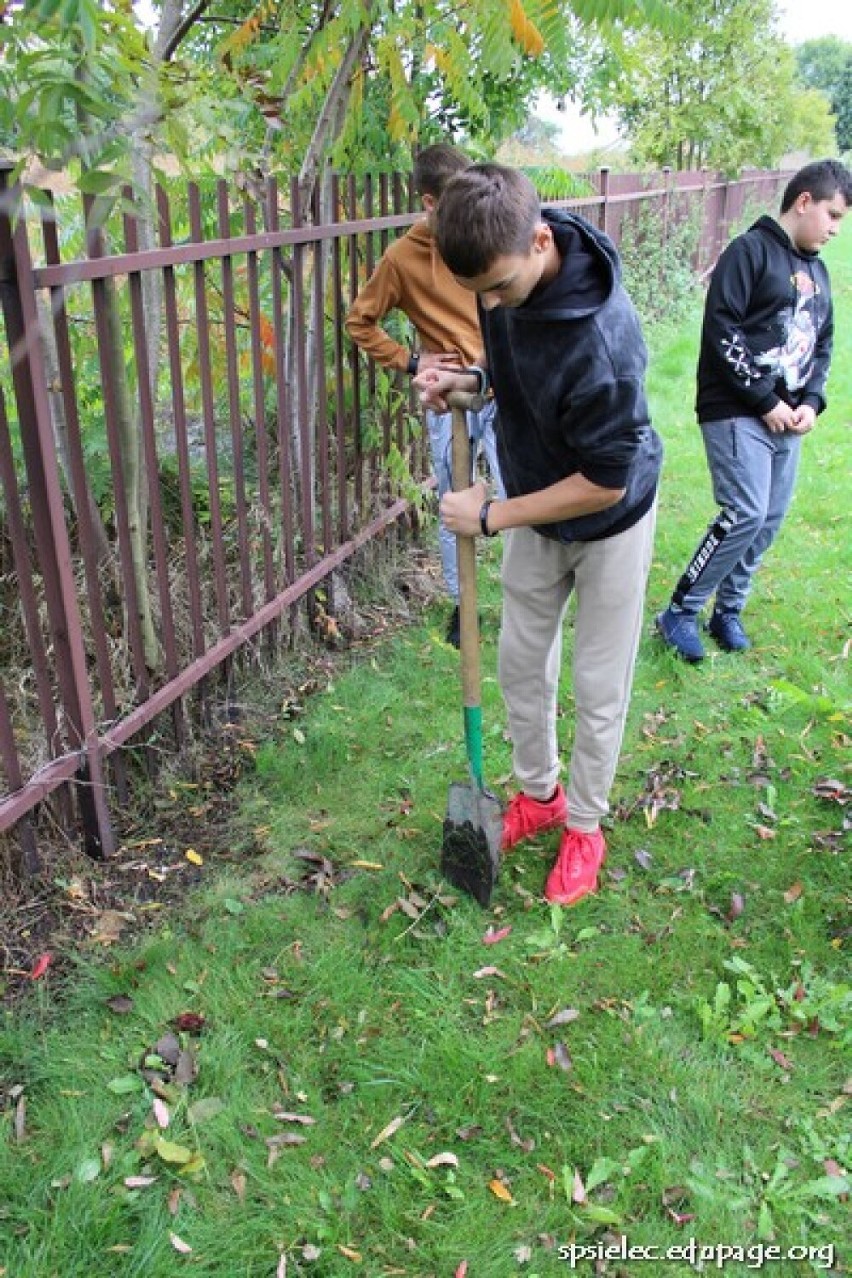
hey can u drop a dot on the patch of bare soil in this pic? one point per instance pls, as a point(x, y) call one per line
point(189, 817)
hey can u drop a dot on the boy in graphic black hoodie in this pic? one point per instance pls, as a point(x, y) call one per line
point(765, 351)
point(580, 463)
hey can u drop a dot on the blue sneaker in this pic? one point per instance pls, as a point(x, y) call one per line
point(680, 631)
point(727, 629)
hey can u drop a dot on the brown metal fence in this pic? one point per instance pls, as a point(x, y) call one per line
point(190, 446)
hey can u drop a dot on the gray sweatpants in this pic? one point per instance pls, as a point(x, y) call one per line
point(608, 578)
point(754, 477)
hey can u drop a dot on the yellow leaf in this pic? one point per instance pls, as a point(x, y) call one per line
point(349, 1253)
point(194, 857)
point(500, 1191)
point(367, 865)
point(525, 32)
point(171, 1153)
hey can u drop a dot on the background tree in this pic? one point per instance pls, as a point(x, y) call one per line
point(843, 108)
point(717, 90)
point(821, 65)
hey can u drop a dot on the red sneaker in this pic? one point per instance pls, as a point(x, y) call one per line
point(575, 873)
point(526, 817)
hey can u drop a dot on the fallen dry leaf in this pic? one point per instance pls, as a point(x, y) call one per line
point(493, 936)
point(139, 1182)
point(782, 1061)
point(793, 893)
point(390, 1130)
point(737, 906)
point(559, 1055)
point(120, 1004)
point(488, 971)
point(180, 1245)
point(350, 1253)
point(578, 1189)
point(443, 1160)
point(189, 1022)
point(109, 927)
point(565, 1017)
point(40, 966)
point(500, 1191)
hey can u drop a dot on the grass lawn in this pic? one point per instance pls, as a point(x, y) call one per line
point(327, 1063)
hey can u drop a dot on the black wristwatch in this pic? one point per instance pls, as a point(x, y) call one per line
point(413, 363)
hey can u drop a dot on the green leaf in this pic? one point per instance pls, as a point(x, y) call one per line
point(126, 1084)
point(825, 1187)
point(600, 1215)
point(206, 1108)
point(98, 182)
point(88, 1170)
point(601, 1170)
point(171, 1153)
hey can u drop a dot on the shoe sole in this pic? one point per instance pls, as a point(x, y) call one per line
point(728, 647)
point(568, 901)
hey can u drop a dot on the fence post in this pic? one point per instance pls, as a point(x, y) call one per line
point(603, 218)
point(722, 225)
point(18, 298)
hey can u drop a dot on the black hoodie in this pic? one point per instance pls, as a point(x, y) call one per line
point(568, 369)
point(768, 327)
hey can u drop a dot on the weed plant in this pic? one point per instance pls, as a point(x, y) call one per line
point(329, 1064)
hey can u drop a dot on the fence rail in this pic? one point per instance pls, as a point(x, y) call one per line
point(190, 447)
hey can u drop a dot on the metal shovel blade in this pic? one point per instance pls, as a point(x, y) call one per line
point(473, 831)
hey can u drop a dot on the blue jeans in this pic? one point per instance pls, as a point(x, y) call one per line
point(481, 430)
point(753, 472)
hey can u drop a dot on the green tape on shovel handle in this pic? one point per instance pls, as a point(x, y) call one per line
point(473, 741)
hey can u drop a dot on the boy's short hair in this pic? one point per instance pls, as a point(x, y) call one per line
point(822, 179)
point(486, 212)
point(435, 165)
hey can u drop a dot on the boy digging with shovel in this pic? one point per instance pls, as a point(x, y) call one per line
point(580, 463)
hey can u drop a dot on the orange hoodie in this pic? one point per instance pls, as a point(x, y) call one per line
point(411, 277)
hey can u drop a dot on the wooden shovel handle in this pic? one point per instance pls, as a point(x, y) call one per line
point(466, 558)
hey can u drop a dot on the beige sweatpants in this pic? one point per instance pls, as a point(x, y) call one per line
point(608, 579)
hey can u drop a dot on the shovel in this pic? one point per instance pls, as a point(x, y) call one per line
point(473, 826)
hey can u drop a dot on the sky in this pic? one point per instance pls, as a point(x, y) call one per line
point(799, 20)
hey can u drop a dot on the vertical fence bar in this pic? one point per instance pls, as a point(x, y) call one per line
point(231, 356)
point(145, 375)
point(340, 416)
point(301, 383)
point(261, 341)
point(283, 398)
point(116, 403)
point(321, 399)
point(355, 362)
point(84, 502)
point(26, 589)
point(603, 216)
point(17, 289)
point(208, 414)
point(196, 613)
point(27, 862)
